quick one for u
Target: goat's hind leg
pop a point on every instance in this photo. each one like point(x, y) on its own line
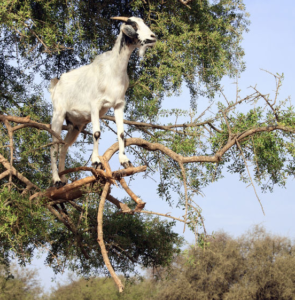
point(73, 132)
point(56, 126)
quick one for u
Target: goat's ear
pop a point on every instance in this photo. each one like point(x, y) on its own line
point(129, 31)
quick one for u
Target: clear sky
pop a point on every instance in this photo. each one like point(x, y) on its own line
point(228, 204)
point(269, 45)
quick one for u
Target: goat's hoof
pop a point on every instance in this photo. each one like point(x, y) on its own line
point(59, 184)
point(97, 165)
point(127, 164)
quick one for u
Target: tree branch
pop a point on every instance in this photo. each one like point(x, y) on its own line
point(163, 215)
point(14, 172)
point(100, 237)
point(162, 127)
point(140, 204)
point(202, 158)
point(27, 122)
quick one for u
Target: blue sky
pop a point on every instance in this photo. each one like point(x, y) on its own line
point(269, 45)
point(228, 204)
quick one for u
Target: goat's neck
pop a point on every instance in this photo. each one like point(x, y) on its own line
point(121, 54)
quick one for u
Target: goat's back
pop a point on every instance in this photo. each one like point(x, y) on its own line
point(102, 80)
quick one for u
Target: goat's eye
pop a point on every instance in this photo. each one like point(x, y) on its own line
point(133, 24)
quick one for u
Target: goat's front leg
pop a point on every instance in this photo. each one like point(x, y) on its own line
point(119, 116)
point(96, 163)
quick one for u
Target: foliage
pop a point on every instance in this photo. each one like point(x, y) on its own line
point(130, 240)
point(197, 47)
point(18, 284)
point(201, 44)
point(22, 226)
point(104, 289)
point(256, 265)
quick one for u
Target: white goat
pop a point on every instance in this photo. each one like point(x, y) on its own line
point(84, 95)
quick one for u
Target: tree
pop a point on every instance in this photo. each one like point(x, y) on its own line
point(257, 265)
point(199, 43)
point(18, 283)
point(104, 289)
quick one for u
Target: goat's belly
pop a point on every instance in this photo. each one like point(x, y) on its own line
point(78, 117)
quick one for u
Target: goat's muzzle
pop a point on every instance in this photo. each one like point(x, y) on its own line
point(148, 42)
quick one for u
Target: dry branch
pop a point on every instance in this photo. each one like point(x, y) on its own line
point(140, 204)
point(27, 122)
point(4, 174)
point(100, 237)
point(73, 190)
point(124, 207)
point(116, 174)
point(201, 158)
point(66, 191)
point(95, 172)
point(14, 172)
point(185, 2)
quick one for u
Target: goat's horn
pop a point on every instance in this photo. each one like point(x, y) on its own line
point(124, 19)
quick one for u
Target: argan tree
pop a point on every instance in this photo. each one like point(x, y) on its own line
point(256, 265)
point(18, 283)
point(199, 43)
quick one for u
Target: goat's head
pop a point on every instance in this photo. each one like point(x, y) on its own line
point(137, 33)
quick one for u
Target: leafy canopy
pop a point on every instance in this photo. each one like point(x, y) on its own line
point(197, 47)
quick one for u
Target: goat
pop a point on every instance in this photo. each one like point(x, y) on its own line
point(85, 94)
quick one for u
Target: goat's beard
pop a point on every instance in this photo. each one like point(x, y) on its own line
point(142, 50)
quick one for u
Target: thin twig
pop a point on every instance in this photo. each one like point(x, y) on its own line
point(249, 174)
point(163, 215)
point(185, 191)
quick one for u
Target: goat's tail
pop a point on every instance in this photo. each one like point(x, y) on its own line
point(53, 83)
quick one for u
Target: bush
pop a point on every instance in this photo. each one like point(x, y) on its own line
point(104, 289)
point(255, 266)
